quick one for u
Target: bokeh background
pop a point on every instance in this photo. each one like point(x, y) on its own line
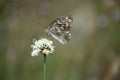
point(92, 54)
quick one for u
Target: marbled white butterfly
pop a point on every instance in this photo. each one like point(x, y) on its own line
point(60, 29)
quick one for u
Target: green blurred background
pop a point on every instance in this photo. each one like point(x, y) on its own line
point(92, 54)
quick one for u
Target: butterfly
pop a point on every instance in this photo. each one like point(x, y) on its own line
point(60, 29)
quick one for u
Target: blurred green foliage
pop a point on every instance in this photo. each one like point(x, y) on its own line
point(92, 54)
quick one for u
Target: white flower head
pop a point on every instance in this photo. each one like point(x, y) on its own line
point(42, 46)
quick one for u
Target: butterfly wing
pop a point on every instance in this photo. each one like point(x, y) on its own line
point(60, 29)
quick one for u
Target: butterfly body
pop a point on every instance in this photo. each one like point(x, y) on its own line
point(60, 29)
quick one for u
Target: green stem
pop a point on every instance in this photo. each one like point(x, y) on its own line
point(44, 66)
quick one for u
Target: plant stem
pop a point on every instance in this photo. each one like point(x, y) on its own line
point(44, 66)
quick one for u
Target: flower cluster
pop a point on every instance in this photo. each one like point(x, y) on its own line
point(42, 46)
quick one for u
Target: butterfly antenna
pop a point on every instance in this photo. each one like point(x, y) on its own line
point(43, 26)
point(44, 32)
